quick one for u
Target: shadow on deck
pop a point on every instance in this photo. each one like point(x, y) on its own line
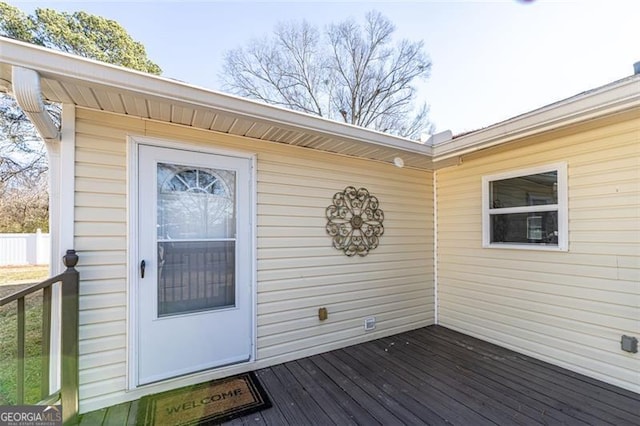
point(431, 375)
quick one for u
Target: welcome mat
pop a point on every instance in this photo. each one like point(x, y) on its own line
point(206, 403)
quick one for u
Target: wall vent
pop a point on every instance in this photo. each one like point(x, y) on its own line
point(369, 323)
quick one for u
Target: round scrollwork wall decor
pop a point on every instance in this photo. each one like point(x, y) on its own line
point(354, 221)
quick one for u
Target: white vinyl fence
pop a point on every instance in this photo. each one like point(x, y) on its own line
point(25, 249)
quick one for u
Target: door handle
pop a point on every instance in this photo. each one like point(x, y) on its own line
point(142, 266)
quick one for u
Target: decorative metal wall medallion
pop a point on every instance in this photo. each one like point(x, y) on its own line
point(354, 221)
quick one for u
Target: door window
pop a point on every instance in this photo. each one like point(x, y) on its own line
point(196, 230)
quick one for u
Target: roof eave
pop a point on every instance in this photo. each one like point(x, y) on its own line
point(610, 99)
point(61, 66)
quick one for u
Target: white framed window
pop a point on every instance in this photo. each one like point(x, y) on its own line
point(526, 209)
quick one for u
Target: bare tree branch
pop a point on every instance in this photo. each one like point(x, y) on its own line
point(355, 72)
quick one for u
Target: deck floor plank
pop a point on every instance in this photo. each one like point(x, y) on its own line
point(523, 395)
point(301, 397)
point(570, 396)
point(327, 404)
point(93, 418)
point(397, 388)
point(371, 384)
point(397, 353)
point(431, 375)
point(133, 412)
point(273, 415)
point(291, 413)
point(426, 391)
point(551, 399)
point(446, 369)
point(116, 415)
point(344, 400)
point(374, 404)
point(608, 396)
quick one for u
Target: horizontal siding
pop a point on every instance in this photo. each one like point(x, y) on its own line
point(298, 269)
point(569, 308)
point(101, 241)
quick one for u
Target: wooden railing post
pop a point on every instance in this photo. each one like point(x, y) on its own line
point(20, 387)
point(69, 345)
point(46, 343)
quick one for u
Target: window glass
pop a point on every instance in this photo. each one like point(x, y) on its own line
point(195, 276)
point(195, 203)
point(531, 190)
point(526, 209)
point(196, 213)
point(531, 228)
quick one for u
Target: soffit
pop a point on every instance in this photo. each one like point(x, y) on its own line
point(179, 103)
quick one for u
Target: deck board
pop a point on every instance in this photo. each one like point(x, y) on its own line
point(300, 397)
point(423, 399)
point(568, 389)
point(355, 413)
point(521, 379)
point(497, 379)
point(470, 382)
point(432, 375)
point(377, 405)
point(117, 415)
point(328, 405)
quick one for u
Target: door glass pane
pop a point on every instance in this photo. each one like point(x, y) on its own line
point(195, 203)
point(195, 276)
point(196, 239)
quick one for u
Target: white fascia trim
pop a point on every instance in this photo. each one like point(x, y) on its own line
point(610, 99)
point(65, 67)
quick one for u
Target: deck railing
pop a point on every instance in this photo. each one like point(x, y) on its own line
point(67, 395)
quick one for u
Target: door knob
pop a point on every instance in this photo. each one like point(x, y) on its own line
point(142, 266)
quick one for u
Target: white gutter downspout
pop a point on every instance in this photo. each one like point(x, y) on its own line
point(28, 94)
point(26, 89)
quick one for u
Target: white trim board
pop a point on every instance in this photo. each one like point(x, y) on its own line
point(562, 208)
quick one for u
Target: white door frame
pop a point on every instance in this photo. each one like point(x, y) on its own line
point(132, 258)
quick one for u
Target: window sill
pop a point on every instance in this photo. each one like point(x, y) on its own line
point(515, 246)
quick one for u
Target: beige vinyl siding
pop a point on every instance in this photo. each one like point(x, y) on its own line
point(298, 269)
point(101, 241)
point(566, 308)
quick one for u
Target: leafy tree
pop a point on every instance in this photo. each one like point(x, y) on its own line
point(23, 162)
point(349, 72)
point(79, 33)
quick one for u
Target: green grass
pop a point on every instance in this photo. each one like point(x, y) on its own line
point(9, 332)
point(23, 274)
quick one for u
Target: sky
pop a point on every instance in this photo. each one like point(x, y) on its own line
point(491, 60)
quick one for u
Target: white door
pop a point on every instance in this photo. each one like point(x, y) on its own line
point(194, 278)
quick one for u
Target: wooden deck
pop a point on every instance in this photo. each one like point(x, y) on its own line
point(428, 376)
